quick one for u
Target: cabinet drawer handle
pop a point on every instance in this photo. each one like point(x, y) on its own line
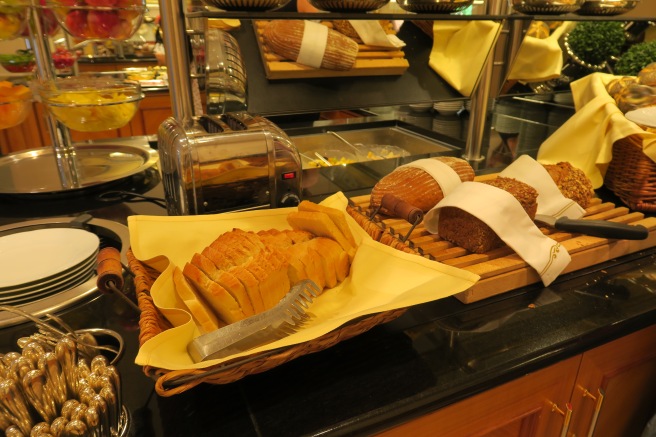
point(567, 415)
point(599, 399)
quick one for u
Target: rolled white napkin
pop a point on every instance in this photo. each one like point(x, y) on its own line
point(502, 212)
point(373, 34)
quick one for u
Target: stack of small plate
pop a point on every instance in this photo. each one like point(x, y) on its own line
point(448, 108)
point(42, 262)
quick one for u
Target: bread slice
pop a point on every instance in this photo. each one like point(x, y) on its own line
point(202, 314)
point(335, 215)
point(296, 268)
point(320, 224)
point(334, 257)
point(271, 273)
point(251, 285)
point(218, 298)
point(227, 280)
point(312, 264)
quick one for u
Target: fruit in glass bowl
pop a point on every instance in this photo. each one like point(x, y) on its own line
point(15, 104)
point(63, 58)
point(20, 62)
point(91, 104)
point(99, 19)
point(13, 18)
point(49, 23)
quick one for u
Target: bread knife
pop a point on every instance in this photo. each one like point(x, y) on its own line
point(596, 228)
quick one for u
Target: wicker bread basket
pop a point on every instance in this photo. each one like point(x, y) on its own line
point(171, 382)
point(631, 175)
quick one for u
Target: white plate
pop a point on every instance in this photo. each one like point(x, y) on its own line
point(32, 256)
point(55, 280)
point(643, 116)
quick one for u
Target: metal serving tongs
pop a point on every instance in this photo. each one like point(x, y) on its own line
point(280, 321)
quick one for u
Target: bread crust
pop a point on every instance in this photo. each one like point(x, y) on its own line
point(417, 187)
point(572, 182)
point(284, 38)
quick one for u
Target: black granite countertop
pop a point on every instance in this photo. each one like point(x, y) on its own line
point(431, 356)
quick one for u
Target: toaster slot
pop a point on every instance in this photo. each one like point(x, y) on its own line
point(233, 122)
point(213, 125)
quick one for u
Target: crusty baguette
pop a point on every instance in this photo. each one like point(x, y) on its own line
point(335, 215)
point(227, 280)
point(320, 224)
point(284, 38)
point(224, 305)
point(202, 314)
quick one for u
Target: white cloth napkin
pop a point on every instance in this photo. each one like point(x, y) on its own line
point(446, 177)
point(372, 33)
point(503, 213)
point(550, 200)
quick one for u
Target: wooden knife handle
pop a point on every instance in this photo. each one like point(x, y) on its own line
point(110, 269)
point(402, 209)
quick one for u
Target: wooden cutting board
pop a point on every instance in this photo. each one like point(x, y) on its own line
point(371, 61)
point(501, 269)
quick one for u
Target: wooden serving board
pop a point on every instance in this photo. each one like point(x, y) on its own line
point(371, 61)
point(501, 269)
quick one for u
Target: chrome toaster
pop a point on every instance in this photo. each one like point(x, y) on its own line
point(228, 162)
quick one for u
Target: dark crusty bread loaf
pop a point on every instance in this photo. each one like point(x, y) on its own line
point(417, 187)
point(571, 182)
point(463, 229)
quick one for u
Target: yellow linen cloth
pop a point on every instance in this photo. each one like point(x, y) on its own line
point(460, 49)
point(539, 59)
point(586, 139)
point(381, 279)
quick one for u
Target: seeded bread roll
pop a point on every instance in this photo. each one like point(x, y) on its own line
point(284, 37)
point(463, 229)
point(635, 96)
point(617, 85)
point(417, 187)
point(571, 182)
point(647, 76)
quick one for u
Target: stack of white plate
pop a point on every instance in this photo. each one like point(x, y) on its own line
point(448, 107)
point(564, 98)
point(448, 125)
point(42, 262)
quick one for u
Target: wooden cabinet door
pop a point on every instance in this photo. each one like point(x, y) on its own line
point(520, 408)
point(625, 371)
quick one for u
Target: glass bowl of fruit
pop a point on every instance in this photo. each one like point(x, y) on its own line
point(99, 19)
point(90, 104)
point(20, 62)
point(13, 18)
point(63, 59)
point(15, 104)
